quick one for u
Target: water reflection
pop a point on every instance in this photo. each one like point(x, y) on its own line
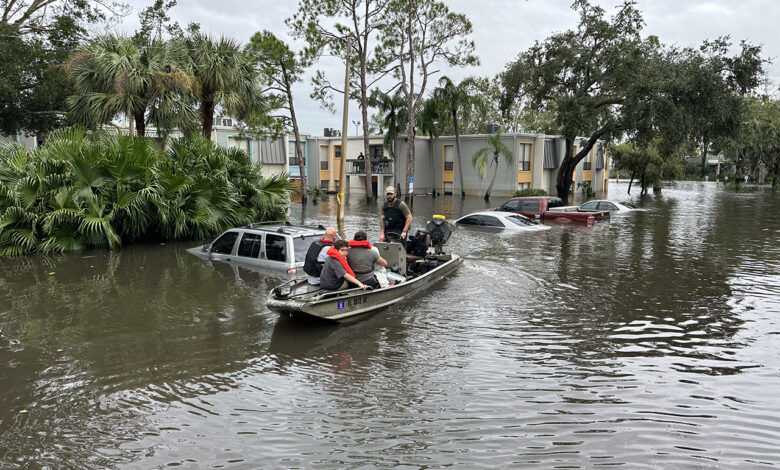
point(647, 341)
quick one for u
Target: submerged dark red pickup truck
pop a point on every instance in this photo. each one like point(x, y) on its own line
point(550, 209)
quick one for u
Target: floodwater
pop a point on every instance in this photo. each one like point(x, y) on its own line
point(651, 341)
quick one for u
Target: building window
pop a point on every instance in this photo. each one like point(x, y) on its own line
point(324, 185)
point(521, 186)
point(524, 157)
point(449, 153)
point(448, 187)
point(337, 151)
point(240, 143)
point(586, 163)
point(376, 151)
point(324, 157)
point(291, 157)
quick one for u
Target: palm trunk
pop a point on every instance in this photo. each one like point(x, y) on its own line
point(207, 108)
point(704, 145)
point(493, 180)
point(457, 149)
point(433, 165)
point(140, 124)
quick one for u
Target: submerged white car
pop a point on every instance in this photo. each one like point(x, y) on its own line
point(278, 246)
point(501, 220)
point(604, 205)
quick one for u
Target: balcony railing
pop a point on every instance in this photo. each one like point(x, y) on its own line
point(379, 166)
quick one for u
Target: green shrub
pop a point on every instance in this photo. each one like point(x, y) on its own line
point(530, 192)
point(81, 190)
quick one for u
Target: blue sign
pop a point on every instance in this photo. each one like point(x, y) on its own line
point(411, 179)
point(340, 305)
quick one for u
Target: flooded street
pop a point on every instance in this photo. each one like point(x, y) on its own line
point(650, 341)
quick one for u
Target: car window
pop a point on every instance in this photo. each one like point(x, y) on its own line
point(607, 206)
point(250, 245)
point(490, 221)
point(471, 220)
point(530, 206)
point(590, 206)
point(275, 247)
point(511, 206)
point(224, 244)
point(554, 202)
point(520, 220)
point(301, 246)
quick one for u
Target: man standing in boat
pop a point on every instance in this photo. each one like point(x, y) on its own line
point(317, 254)
point(396, 216)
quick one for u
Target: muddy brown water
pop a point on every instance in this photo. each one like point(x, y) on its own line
point(651, 341)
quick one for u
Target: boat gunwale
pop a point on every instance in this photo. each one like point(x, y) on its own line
point(284, 305)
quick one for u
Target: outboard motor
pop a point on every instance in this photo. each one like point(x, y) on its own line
point(439, 230)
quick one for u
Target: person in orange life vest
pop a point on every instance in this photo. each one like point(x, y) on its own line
point(361, 259)
point(336, 270)
point(317, 254)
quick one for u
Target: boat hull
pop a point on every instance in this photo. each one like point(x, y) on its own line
point(339, 305)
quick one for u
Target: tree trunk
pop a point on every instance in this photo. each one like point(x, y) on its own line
point(493, 180)
point(366, 147)
point(207, 110)
point(631, 181)
point(298, 150)
point(433, 164)
point(565, 173)
point(297, 134)
point(457, 148)
point(140, 124)
point(704, 146)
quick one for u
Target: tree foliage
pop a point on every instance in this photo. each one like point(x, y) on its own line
point(344, 28)
point(454, 100)
point(37, 36)
point(646, 164)
point(280, 68)
point(224, 78)
point(589, 77)
point(113, 75)
point(421, 36)
point(81, 191)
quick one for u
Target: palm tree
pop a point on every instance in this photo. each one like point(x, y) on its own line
point(488, 155)
point(453, 98)
point(430, 119)
point(395, 116)
point(224, 77)
point(82, 190)
point(113, 76)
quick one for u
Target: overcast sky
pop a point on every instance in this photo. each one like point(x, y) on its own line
point(502, 29)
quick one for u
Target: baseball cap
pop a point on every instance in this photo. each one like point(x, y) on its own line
point(389, 189)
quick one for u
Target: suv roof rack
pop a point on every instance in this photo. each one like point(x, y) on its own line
point(284, 227)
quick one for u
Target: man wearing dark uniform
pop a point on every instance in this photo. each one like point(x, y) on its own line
point(396, 216)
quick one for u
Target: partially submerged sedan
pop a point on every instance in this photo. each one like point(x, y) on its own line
point(279, 246)
point(501, 220)
point(610, 206)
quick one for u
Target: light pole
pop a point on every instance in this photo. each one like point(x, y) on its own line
point(356, 123)
point(345, 121)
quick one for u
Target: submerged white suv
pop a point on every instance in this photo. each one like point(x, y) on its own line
point(278, 246)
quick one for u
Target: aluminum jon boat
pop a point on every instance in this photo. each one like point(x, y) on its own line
point(413, 272)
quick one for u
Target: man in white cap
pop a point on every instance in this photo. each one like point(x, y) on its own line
point(396, 216)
